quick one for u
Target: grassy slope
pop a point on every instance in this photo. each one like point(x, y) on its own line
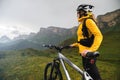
point(29, 64)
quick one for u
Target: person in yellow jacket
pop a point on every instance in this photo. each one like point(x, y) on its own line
point(89, 39)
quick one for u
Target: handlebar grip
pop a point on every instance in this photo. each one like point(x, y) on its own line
point(56, 47)
point(48, 46)
point(45, 45)
point(92, 54)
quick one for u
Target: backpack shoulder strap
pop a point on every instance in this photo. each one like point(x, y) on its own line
point(84, 29)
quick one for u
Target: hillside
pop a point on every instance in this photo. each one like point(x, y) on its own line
point(109, 20)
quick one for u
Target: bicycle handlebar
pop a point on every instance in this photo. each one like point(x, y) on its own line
point(48, 46)
point(54, 47)
point(89, 54)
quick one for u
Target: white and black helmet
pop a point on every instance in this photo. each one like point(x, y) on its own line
point(85, 7)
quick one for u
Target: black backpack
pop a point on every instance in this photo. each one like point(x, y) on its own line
point(89, 40)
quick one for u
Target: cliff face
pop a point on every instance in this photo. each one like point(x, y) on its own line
point(58, 31)
point(53, 35)
point(109, 19)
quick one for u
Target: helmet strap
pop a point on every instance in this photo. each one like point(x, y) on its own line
point(81, 15)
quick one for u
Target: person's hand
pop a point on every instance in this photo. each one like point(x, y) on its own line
point(85, 52)
point(71, 45)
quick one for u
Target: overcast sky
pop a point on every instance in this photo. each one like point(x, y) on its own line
point(25, 16)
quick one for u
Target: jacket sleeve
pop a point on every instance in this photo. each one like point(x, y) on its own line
point(74, 44)
point(91, 25)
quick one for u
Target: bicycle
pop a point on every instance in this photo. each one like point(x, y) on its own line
point(54, 66)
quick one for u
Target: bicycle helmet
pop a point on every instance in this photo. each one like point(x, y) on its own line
point(85, 7)
point(84, 11)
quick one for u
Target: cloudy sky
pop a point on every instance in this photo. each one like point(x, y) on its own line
point(25, 16)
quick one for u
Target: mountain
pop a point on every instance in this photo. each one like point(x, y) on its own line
point(53, 35)
point(50, 35)
point(19, 44)
point(24, 36)
point(109, 20)
point(4, 39)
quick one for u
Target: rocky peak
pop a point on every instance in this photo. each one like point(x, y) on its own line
point(57, 30)
point(109, 19)
point(4, 39)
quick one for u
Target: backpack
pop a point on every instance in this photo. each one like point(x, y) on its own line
point(89, 40)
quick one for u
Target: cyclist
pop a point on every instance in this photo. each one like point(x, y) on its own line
point(89, 38)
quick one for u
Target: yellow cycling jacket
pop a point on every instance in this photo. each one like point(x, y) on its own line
point(92, 29)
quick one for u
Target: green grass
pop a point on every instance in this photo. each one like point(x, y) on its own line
point(19, 67)
point(32, 67)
